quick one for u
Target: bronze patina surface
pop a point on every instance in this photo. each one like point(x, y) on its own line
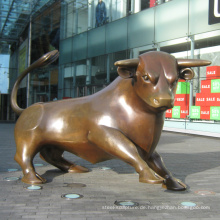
point(122, 121)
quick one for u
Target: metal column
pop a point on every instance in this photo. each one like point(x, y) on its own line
point(191, 81)
point(90, 15)
point(108, 69)
point(29, 61)
point(74, 80)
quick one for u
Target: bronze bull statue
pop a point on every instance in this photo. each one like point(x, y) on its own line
point(122, 121)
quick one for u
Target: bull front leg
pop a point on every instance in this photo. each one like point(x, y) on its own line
point(155, 162)
point(118, 145)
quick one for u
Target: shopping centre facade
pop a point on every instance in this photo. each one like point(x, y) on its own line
point(88, 50)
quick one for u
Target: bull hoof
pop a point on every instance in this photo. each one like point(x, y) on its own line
point(33, 179)
point(77, 169)
point(158, 181)
point(153, 180)
point(174, 184)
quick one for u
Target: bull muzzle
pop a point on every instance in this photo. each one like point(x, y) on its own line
point(163, 101)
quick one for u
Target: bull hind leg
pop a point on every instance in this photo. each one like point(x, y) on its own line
point(24, 157)
point(156, 163)
point(54, 156)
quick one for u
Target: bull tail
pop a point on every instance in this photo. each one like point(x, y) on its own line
point(46, 59)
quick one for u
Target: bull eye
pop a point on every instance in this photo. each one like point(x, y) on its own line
point(146, 78)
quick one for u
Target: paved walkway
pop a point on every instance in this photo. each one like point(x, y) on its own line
point(193, 159)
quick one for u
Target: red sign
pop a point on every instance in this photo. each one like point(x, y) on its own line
point(205, 113)
point(152, 3)
point(211, 99)
point(181, 100)
point(168, 113)
point(184, 111)
point(201, 99)
point(213, 72)
point(217, 95)
point(205, 86)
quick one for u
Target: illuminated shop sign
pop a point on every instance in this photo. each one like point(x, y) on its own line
point(214, 11)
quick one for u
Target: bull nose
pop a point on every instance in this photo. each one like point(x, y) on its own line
point(164, 101)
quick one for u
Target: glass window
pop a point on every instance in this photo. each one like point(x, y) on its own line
point(76, 17)
point(82, 11)
point(105, 11)
point(96, 41)
point(122, 55)
point(116, 36)
point(66, 50)
point(45, 32)
point(68, 87)
point(146, 4)
point(4, 73)
point(141, 33)
point(71, 19)
point(79, 50)
point(81, 15)
point(199, 16)
point(118, 9)
point(53, 84)
point(39, 86)
point(68, 81)
point(170, 21)
point(98, 73)
point(80, 78)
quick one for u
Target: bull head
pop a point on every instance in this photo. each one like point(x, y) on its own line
point(157, 73)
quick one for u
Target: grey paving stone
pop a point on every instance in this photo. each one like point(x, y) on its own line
point(13, 217)
point(193, 159)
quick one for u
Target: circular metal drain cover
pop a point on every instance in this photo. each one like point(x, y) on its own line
point(12, 170)
point(38, 165)
point(188, 204)
point(106, 168)
point(33, 187)
point(75, 185)
point(72, 196)
point(204, 192)
point(126, 203)
point(12, 178)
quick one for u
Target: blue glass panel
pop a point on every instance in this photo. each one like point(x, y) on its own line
point(65, 51)
point(171, 20)
point(116, 36)
point(198, 17)
point(141, 28)
point(79, 47)
point(96, 42)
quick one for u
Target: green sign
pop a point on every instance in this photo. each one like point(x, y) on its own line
point(195, 112)
point(214, 113)
point(183, 88)
point(215, 86)
point(176, 112)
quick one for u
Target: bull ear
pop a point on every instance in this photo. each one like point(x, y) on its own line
point(126, 72)
point(186, 74)
point(192, 63)
point(127, 68)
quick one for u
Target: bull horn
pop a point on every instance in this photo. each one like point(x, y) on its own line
point(192, 63)
point(127, 63)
